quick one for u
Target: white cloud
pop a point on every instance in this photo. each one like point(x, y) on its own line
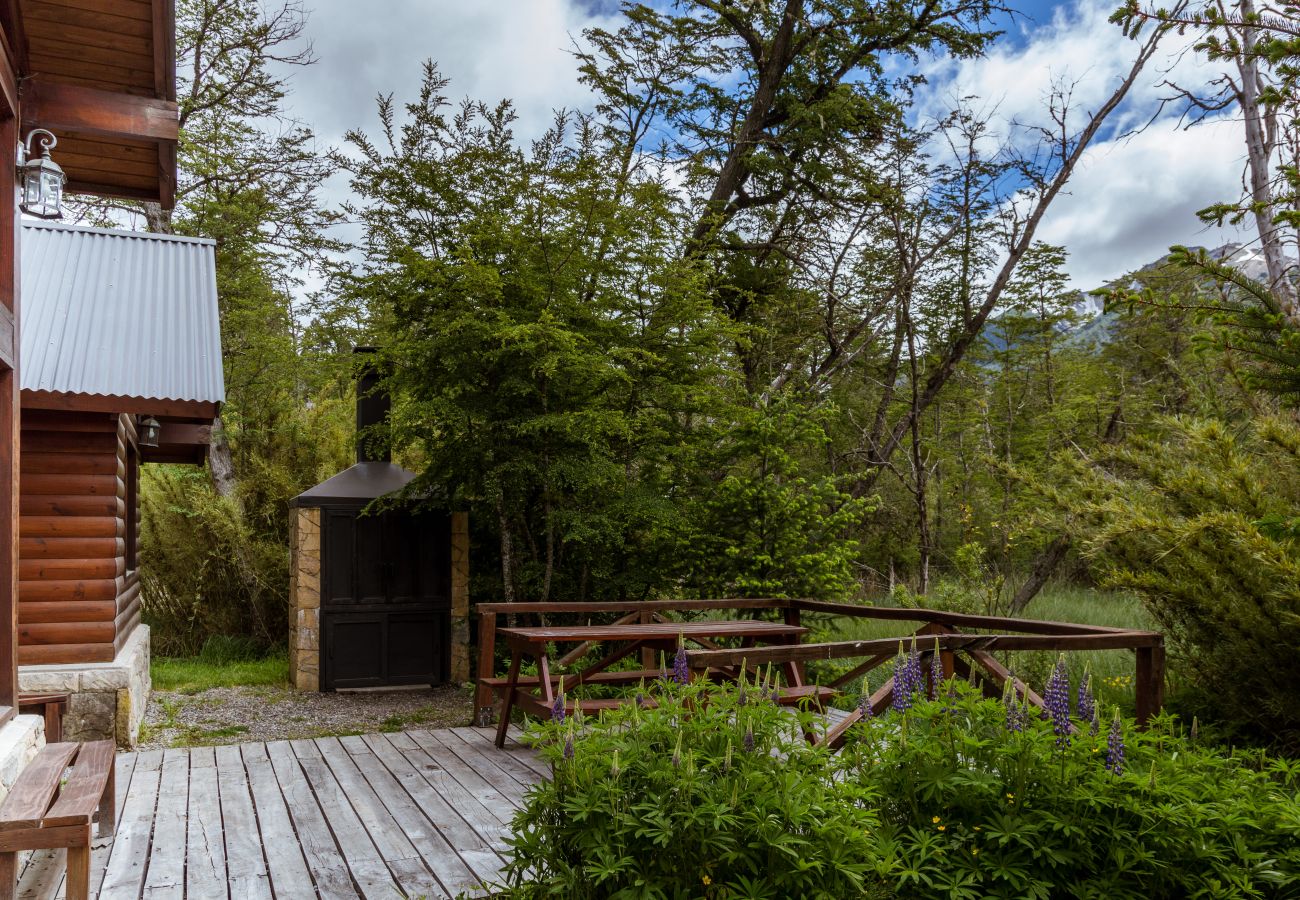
point(490, 50)
point(1131, 197)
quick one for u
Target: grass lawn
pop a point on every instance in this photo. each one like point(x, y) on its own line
point(1112, 670)
point(192, 675)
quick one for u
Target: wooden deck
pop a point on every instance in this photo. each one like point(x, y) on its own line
point(412, 814)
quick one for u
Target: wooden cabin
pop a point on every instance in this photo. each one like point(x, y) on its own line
point(120, 327)
point(101, 76)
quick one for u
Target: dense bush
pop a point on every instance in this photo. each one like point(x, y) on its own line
point(1199, 523)
point(715, 794)
point(690, 799)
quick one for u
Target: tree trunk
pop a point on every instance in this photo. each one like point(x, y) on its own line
point(221, 463)
point(1259, 154)
point(1042, 570)
point(507, 559)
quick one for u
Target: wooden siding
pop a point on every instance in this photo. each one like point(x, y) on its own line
point(76, 600)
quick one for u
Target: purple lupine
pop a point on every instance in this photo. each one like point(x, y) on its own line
point(1087, 703)
point(1015, 720)
point(936, 670)
point(950, 704)
point(557, 708)
point(749, 738)
point(864, 701)
point(902, 682)
point(1115, 746)
point(568, 743)
point(1056, 699)
point(681, 670)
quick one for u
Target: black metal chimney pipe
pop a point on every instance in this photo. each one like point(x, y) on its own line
point(373, 404)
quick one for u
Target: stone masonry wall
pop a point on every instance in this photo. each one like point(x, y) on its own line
point(304, 595)
point(106, 700)
point(20, 740)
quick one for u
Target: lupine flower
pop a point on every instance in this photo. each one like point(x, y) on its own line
point(557, 708)
point(950, 705)
point(1015, 711)
point(1056, 698)
point(726, 761)
point(864, 701)
point(568, 743)
point(677, 752)
point(749, 738)
point(1096, 721)
point(614, 769)
point(936, 669)
point(1195, 729)
point(663, 668)
point(902, 682)
point(1087, 703)
point(681, 670)
point(1115, 746)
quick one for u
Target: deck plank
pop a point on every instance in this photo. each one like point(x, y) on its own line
point(325, 860)
point(166, 878)
point(480, 818)
point(103, 844)
point(447, 866)
point(129, 861)
point(491, 797)
point(397, 851)
point(376, 816)
point(247, 877)
point(472, 847)
point(284, 860)
point(368, 869)
point(205, 847)
point(509, 763)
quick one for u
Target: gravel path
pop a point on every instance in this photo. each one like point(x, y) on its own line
point(237, 714)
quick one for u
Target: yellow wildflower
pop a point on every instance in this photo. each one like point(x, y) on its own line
point(707, 880)
point(935, 820)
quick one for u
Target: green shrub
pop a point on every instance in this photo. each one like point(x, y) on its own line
point(677, 802)
point(971, 809)
point(1189, 521)
point(942, 801)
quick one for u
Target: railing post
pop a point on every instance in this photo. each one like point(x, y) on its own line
point(647, 653)
point(487, 654)
point(794, 616)
point(1150, 683)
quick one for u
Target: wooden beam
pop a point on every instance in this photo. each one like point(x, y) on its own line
point(627, 606)
point(9, 68)
point(904, 614)
point(74, 109)
point(970, 643)
point(194, 411)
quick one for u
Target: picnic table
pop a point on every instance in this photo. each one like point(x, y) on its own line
point(537, 695)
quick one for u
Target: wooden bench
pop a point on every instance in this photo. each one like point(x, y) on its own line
point(50, 707)
point(46, 811)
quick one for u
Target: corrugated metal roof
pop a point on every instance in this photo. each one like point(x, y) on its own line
point(119, 314)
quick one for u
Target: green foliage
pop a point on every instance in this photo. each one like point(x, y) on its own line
point(943, 801)
point(672, 802)
point(210, 669)
point(970, 809)
point(769, 527)
point(1182, 520)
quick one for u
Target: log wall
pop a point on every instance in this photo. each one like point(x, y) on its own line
point(77, 602)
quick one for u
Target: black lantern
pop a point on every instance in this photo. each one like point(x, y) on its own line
point(42, 178)
point(148, 431)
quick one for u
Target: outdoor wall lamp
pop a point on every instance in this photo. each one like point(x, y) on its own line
point(147, 432)
point(42, 178)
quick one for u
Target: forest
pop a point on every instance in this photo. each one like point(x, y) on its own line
point(753, 324)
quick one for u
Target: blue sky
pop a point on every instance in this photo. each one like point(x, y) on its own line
point(1130, 200)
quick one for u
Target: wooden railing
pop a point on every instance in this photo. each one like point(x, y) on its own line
point(965, 643)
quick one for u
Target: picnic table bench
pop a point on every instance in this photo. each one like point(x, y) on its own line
point(44, 810)
point(537, 694)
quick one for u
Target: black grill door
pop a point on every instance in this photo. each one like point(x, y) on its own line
point(385, 600)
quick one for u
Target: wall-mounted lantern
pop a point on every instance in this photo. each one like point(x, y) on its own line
point(147, 432)
point(42, 178)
